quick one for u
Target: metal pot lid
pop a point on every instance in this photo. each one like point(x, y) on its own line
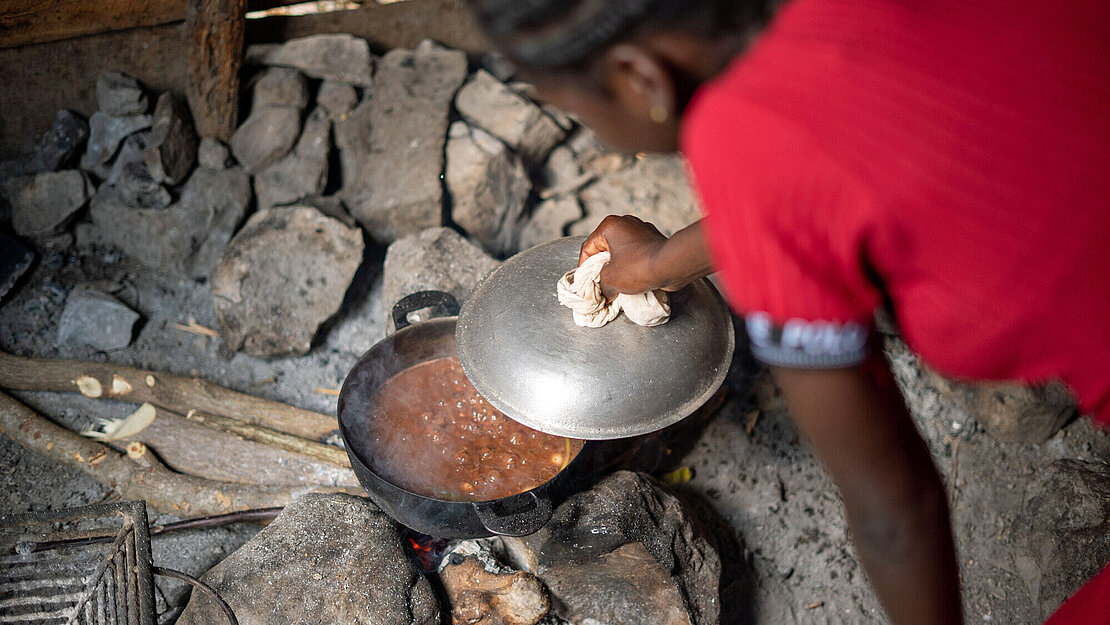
point(522, 351)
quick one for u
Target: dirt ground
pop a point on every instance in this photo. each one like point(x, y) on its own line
point(787, 551)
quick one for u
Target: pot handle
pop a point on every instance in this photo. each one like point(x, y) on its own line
point(515, 516)
point(445, 306)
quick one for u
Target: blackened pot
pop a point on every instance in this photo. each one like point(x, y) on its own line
point(413, 343)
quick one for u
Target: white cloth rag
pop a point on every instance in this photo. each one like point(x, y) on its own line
point(580, 291)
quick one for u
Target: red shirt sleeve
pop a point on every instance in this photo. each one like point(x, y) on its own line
point(787, 228)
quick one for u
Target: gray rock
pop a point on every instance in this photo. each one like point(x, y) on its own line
point(302, 172)
point(96, 319)
point(393, 156)
point(213, 154)
point(42, 204)
point(98, 172)
point(172, 150)
point(61, 143)
point(1011, 411)
point(606, 576)
point(325, 559)
point(280, 86)
point(107, 131)
point(623, 587)
point(258, 271)
point(653, 188)
point(489, 104)
point(1063, 530)
point(130, 152)
point(488, 186)
point(265, 136)
point(549, 221)
point(561, 172)
point(337, 98)
point(186, 238)
point(329, 205)
point(15, 259)
point(119, 94)
point(435, 259)
point(138, 189)
point(342, 58)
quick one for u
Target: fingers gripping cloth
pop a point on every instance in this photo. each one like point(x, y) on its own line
point(580, 291)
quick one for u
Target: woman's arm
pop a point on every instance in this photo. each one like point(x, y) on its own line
point(894, 500)
point(643, 259)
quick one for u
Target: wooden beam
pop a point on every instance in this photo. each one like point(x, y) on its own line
point(396, 25)
point(215, 56)
point(33, 21)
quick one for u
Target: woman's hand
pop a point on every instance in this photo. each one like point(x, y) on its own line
point(642, 259)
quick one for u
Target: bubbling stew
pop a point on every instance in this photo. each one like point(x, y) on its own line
point(431, 433)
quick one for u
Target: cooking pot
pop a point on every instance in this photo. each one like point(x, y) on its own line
point(414, 343)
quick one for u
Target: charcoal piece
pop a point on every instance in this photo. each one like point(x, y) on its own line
point(15, 258)
point(96, 319)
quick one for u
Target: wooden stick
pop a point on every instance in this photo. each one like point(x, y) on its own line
point(176, 393)
point(327, 453)
point(217, 28)
point(186, 446)
point(137, 474)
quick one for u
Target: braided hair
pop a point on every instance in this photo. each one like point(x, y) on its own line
point(549, 34)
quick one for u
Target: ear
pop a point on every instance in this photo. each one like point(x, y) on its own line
point(640, 81)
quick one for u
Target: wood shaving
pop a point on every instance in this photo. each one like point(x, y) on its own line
point(195, 328)
point(116, 429)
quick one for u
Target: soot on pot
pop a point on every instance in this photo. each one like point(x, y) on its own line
point(431, 433)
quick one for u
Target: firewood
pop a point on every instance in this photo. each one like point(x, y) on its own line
point(327, 453)
point(176, 393)
point(136, 474)
point(189, 447)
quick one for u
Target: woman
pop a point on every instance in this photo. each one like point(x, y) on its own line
point(943, 159)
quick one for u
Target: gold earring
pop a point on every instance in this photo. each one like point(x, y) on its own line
point(658, 113)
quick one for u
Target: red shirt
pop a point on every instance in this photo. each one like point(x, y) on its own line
point(952, 156)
